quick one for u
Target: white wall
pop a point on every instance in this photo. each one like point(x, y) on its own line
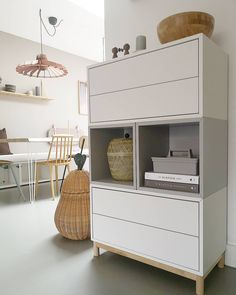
point(125, 19)
point(32, 118)
point(81, 32)
point(95, 7)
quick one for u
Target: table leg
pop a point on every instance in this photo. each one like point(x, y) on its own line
point(29, 173)
point(17, 182)
point(32, 176)
point(34, 179)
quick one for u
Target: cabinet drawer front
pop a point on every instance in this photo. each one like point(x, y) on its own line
point(168, 246)
point(175, 215)
point(167, 64)
point(168, 99)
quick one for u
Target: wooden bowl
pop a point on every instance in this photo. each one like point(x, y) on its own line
point(185, 24)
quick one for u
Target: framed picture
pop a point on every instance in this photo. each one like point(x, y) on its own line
point(83, 98)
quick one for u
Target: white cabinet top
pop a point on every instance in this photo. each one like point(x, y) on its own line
point(201, 37)
point(187, 77)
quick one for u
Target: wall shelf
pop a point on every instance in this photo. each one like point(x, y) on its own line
point(16, 94)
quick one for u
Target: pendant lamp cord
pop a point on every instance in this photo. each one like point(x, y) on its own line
point(41, 33)
point(42, 24)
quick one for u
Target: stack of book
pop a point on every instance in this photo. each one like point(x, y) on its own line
point(177, 182)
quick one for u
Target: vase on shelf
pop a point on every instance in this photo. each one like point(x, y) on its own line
point(120, 158)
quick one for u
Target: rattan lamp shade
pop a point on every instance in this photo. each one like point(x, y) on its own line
point(42, 68)
point(72, 217)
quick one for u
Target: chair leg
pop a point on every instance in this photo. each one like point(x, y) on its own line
point(17, 183)
point(56, 175)
point(63, 177)
point(36, 179)
point(52, 181)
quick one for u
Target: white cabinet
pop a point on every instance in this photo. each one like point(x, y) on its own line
point(166, 64)
point(158, 100)
point(148, 210)
point(162, 82)
point(178, 79)
point(152, 242)
point(173, 97)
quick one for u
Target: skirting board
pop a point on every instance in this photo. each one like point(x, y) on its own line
point(230, 255)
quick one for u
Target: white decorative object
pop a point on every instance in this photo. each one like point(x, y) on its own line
point(30, 92)
point(140, 42)
point(83, 98)
point(42, 89)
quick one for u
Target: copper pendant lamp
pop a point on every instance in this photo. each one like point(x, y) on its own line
point(42, 67)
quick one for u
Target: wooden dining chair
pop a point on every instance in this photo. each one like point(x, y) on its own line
point(62, 145)
point(82, 141)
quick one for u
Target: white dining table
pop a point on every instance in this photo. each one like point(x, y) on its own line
point(29, 157)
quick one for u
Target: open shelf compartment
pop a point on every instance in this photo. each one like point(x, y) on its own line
point(100, 137)
point(156, 139)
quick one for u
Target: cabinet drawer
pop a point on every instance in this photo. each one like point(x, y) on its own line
point(175, 215)
point(168, 246)
point(166, 64)
point(167, 99)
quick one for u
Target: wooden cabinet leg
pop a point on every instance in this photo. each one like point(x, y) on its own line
point(96, 250)
point(200, 285)
point(221, 263)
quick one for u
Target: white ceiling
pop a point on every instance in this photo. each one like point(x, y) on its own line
point(94, 6)
point(80, 33)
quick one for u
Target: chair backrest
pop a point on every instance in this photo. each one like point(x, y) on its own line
point(54, 130)
point(62, 143)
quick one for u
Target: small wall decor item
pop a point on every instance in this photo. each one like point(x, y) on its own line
point(72, 217)
point(83, 98)
point(120, 158)
point(42, 67)
point(29, 92)
point(125, 49)
point(115, 51)
point(37, 91)
point(185, 24)
point(42, 89)
point(140, 42)
point(10, 88)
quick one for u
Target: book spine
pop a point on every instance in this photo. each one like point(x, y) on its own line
point(172, 177)
point(183, 187)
